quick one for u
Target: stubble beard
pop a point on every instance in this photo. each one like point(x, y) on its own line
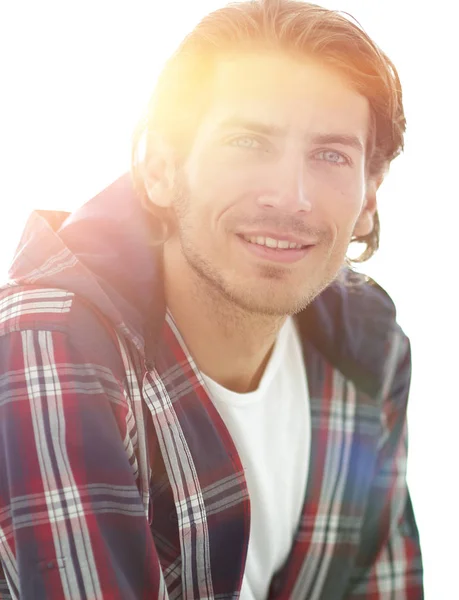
point(231, 297)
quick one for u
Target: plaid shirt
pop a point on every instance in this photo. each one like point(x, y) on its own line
point(118, 478)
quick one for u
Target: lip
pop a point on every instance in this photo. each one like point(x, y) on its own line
point(285, 256)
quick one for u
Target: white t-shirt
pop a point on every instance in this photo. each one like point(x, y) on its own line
point(271, 430)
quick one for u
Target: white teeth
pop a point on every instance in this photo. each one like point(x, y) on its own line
point(284, 244)
point(271, 242)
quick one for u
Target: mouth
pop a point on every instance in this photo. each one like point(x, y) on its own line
point(274, 249)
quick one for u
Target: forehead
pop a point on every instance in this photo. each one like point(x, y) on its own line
point(292, 94)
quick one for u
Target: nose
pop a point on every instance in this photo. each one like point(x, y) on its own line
point(286, 188)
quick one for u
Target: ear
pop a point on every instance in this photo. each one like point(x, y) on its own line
point(159, 173)
point(366, 220)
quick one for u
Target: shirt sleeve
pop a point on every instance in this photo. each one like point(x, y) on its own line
point(389, 564)
point(72, 522)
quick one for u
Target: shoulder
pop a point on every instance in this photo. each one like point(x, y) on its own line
point(353, 324)
point(33, 308)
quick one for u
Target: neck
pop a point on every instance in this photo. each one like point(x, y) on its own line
point(229, 344)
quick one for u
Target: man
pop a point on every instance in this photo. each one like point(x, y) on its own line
point(196, 400)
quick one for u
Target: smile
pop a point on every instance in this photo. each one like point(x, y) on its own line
point(270, 249)
point(271, 242)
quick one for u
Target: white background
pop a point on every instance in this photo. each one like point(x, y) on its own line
point(73, 80)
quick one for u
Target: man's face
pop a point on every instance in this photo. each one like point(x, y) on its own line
point(279, 155)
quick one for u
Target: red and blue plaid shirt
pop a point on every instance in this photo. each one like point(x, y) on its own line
point(118, 478)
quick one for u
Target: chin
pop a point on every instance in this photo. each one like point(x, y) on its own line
point(270, 303)
point(273, 299)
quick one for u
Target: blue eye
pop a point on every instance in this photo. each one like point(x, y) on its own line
point(333, 157)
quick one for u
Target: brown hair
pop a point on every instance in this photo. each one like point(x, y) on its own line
point(298, 28)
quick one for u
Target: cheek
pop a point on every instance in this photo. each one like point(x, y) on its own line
point(341, 200)
point(196, 213)
point(214, 192)
point(225, 174)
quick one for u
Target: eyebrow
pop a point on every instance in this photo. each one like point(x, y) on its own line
point(276, 131)
point(338, 138)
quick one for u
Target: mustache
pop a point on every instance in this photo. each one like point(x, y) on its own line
point(280, 223)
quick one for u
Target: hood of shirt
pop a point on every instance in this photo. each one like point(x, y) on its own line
point(102, 253)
